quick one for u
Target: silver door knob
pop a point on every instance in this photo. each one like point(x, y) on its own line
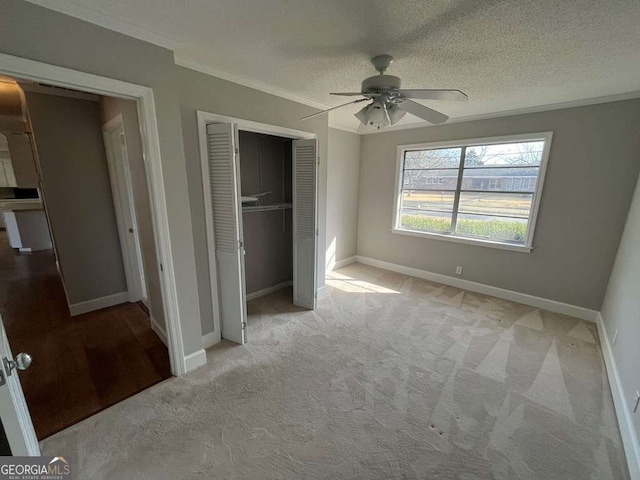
point(23, 361)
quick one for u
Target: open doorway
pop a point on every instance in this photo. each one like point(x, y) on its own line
point(79, 284)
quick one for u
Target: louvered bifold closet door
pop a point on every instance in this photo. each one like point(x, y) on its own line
point(227, 226)
point(305, 154)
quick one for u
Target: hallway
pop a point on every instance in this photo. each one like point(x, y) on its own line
point(82, 364)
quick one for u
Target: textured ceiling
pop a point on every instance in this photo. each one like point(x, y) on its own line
point(505, 54)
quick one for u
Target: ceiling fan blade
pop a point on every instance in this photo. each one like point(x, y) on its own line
point(430, 94)
point(333, 108)
point(423, 112)
point(354, 94)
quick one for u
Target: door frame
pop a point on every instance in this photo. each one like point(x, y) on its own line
point(203, 119)
point(124, 206)
point(144, 97)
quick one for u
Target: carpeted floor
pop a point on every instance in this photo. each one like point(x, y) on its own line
point(390, 378)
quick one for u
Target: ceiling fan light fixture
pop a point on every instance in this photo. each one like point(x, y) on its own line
point(374, 115)
point(363, 115)
point(395, 114)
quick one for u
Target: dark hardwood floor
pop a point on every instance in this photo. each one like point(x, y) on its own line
point(82, 364)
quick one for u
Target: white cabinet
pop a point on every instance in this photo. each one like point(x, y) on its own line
point(27, 230)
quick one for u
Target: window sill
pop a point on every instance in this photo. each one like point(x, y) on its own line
point(464, 240)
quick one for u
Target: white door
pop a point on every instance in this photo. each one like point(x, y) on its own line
point(14, 413)
point(224, 180)
point(122, 191)
point(305, 161)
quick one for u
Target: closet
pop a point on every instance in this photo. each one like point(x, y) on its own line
point(260, 201)
point(266, 189)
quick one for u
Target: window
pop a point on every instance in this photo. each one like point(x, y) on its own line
point(483, 191)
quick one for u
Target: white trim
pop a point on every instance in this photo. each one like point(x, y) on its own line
point(335, 265)
point(209, 340)
point(248, 82)
point(195, 360)
point(251, 126)
point(98, 303)
point(268, 290)
point(157, 328)
point(623, 412)
point(64, 77)
point(322, 292)
point(204, 118)
point(124, 207)
point(524, 298)
point(91, 15)
point(546, 137)
point(465, 240)
point(619, 97)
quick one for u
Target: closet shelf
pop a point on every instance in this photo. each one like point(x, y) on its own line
point(265, 208)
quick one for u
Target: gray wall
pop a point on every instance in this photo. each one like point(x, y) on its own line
point(214, 95)
point(343, 174)
point(33, 32)
point(591, 175)
point(77, 191)
point(621, 307)
point(111, 108)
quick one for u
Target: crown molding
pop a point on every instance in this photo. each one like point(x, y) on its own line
point(248, 82)
point(78, 10)
point(340, 126)
point(520, 111)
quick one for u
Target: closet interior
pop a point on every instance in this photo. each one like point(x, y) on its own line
point(266, 182)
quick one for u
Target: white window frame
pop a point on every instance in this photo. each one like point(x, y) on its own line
point(527, 247)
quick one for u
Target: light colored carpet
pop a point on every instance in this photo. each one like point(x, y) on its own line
point(390, 378)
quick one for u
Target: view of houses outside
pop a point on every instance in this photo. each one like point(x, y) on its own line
point(497, 186)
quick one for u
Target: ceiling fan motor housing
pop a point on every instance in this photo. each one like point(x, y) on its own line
point(381, 84)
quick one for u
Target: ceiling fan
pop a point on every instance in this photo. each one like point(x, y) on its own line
point(389, 103)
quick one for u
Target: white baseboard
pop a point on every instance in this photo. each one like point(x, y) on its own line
point(267, 291)
point(98, 303)
point(623, 412)
point(155, 326)
point(195, 360)
point(210, 339)
point(538, 302)
point(341, 263)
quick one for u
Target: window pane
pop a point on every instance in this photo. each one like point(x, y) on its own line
point(417, 201)
point(438, 158)
point(505, 229)
point(521, 179)
point(507, 154)
point(430, 179)
point(496, 204)
point(437, 222)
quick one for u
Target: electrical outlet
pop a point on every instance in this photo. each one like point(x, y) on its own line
point(635, 408)
point(615, 337)
point(458, 270)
